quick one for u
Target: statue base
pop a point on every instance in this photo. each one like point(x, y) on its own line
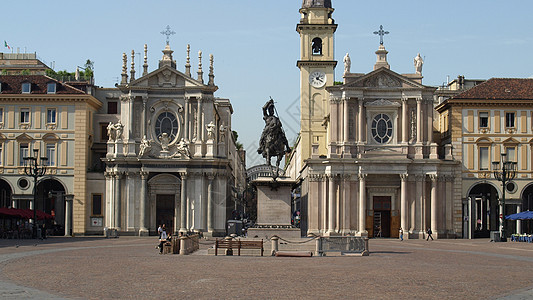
point(274, 208)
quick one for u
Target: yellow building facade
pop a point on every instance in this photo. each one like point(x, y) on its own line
point(40, 113)
point(480, 124)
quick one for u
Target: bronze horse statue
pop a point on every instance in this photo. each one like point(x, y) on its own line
point(273, 141)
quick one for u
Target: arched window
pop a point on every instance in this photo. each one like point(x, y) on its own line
point(317, 46)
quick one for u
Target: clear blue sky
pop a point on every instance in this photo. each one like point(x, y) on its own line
point(256, 46)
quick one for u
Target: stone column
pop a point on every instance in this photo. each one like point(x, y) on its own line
point(176, 227)
point(68, 214)
point(315, 180)
point(142, 205)
point(199, 128)
point(404, 212)
point(419, 137)
point(418, 226)
point(332, 201)
point(186, 135)
point(362, 204)
point(346, 126)
point(109, 199)
point(118, 201)
point(361, 118)
point(183, 203)
point(144, 121)
point(129, 222)
point(405, 123)
point(210, 179)
point(434, 208)
point(346, 205)
point(429, 110)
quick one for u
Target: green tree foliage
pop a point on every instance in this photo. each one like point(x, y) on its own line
point(235, 139)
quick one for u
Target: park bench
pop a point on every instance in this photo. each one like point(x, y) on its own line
point(238, 244)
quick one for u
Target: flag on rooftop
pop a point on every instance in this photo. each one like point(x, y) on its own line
point(6, 45)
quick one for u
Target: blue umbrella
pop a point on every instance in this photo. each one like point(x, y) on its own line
point(525, 215)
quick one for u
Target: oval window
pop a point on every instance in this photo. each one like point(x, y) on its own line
point(381, 128)
point(168, 123)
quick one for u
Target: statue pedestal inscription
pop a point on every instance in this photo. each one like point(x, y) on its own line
point(274, 209)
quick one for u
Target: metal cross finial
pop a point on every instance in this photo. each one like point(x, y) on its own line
point(381, 33)
point(168, 32)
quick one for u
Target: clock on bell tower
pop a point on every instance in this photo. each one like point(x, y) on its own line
point(317, 66)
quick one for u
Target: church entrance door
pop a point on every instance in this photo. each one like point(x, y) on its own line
point(165, 211)
point(382, 216)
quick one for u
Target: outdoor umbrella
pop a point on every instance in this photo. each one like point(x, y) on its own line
point(525, 215)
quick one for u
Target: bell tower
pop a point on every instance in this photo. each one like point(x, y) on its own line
point(317, 66)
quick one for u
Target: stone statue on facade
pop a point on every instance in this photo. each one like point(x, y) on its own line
point(210, 130)
point(114, 131)
point(222, 131)
point(163, 138)
point(347, 63)
point(183, 148)
point(273, 140)
point(146, 145)
point(419, 62)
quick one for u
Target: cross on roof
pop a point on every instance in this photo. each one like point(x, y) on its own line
point(381, 33)
point(168, 32)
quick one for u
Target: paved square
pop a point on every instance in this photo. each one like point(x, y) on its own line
point(130, 267)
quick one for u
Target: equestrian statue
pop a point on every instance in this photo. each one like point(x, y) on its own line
point(273, 140)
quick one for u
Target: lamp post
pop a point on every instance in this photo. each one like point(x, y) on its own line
point(504, 173)
point(35, 169)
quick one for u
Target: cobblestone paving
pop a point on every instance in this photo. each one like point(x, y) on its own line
point(130, 267)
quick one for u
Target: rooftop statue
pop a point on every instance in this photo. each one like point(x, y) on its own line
point(273, 140)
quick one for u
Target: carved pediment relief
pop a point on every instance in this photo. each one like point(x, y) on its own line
point(166, 77)
point(382, 80)
point(383, 103)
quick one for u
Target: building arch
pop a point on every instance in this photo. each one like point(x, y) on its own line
point(481, 210)
point(6, 190)
point(164, 192)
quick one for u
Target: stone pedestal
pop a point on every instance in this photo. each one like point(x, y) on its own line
point(110, 150)
point(274, 209)
point(209, 148)
point(221, 151)
point(119, 149)
point(198, 149)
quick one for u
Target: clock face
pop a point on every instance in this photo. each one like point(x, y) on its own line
point(317, 79)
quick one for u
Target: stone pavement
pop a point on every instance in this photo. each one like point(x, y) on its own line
point(130, 267)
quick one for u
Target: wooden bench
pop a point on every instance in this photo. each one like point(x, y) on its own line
point(238, 244)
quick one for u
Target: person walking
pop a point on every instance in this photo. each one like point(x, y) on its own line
point(159, 230)
point(401, 234)
point(429, 232)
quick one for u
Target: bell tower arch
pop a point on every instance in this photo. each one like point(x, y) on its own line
point(317, 65)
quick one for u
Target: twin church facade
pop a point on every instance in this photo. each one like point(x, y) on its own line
point(378, 152)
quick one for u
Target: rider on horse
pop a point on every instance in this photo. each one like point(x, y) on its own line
point(273, 140)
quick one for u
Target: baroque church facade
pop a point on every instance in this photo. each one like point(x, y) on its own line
point(366, 158)
point(168, 150)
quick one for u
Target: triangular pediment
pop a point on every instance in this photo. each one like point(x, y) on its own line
point(166, 76)
point(24, 138)
point(384, 78)
point(511, 141)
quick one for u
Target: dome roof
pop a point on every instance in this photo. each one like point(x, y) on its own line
point(316, 3)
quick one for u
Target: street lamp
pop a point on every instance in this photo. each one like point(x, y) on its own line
point(506, 173)
point(33, 169)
